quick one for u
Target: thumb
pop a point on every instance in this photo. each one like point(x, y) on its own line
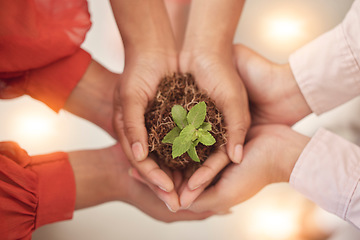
point(129, 125)
point(237, 119)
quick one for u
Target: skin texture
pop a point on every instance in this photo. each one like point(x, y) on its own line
point(152, 52)
point(207, 54)
point(269, 156)
point(274, 94)
point(271, 150)
point(102, 175)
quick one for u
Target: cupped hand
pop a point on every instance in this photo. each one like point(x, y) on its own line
point(273, 91)
point(270, 155)
point(215, 73)
point(137, 193)
point(134, 91)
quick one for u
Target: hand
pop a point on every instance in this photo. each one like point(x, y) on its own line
point(136, 88)
point(273, 91)
point(207, 54)
point(111, 182)
point(270, 155)
point(215, 73)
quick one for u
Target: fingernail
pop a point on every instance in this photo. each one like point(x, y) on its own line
point(196, 187)
point(138, 151)
point(168, 206)
point(163, 188)
point(238, 150)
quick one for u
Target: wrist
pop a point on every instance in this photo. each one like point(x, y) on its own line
point(151, 63)
point(294, 96)
point(92, 98)
point(201, 58)
point(117, 166)
point(100, 175)
point(148, 49)
point(285, 162)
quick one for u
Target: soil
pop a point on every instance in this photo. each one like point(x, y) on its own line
point(180, 89)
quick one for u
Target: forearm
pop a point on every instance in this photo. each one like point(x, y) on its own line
point(96, 176)
point(212, 25)
point(144, 26)
point(92, 98)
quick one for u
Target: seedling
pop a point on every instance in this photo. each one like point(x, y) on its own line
point(190, 130)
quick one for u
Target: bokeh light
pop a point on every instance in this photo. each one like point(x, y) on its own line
point(284, 29)
point(271, 222)
point(34, 126)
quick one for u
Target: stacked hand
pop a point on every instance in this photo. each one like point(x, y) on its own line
point(272, 147)
point(150, 54)
point(274, 98)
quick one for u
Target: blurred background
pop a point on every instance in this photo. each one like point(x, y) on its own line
point(274, 28)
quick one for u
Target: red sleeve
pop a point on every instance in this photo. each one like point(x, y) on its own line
point(34, 33)
point(54, 83)
point(34, 191)
point(51, 84)
point(40, 51)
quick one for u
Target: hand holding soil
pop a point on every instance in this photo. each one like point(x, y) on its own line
point(180, 90)
point(136, 86)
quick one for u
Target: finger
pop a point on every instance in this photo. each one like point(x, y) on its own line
point(209, 199)
point(185, 179)
point(148, 203)
point(237, 121)
point(152, 173)
point(209, 169)
point(129, 110)
point(170, 199)
point(188, 196)
point(136, 175)
point(203, 177)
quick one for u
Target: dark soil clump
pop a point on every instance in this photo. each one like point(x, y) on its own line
point(180, 89)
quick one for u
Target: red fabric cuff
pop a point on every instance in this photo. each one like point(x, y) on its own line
point(54, 83)
point(56, 188)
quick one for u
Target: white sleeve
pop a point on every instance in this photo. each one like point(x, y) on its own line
point(328, 172)
point(327, 69)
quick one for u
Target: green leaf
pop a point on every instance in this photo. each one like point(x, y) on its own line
point(180, 146)
point(193, 154)
point(183, 142)
point(170, 136)
point(196, 115)
point(188, 132)
point(206, 126)
point(206, 138)
point(178, 114)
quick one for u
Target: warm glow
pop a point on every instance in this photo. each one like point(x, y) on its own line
point(35, 126)
point(273, 223)
point(283, 29)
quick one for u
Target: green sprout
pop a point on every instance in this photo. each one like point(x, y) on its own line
point(190, 129)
